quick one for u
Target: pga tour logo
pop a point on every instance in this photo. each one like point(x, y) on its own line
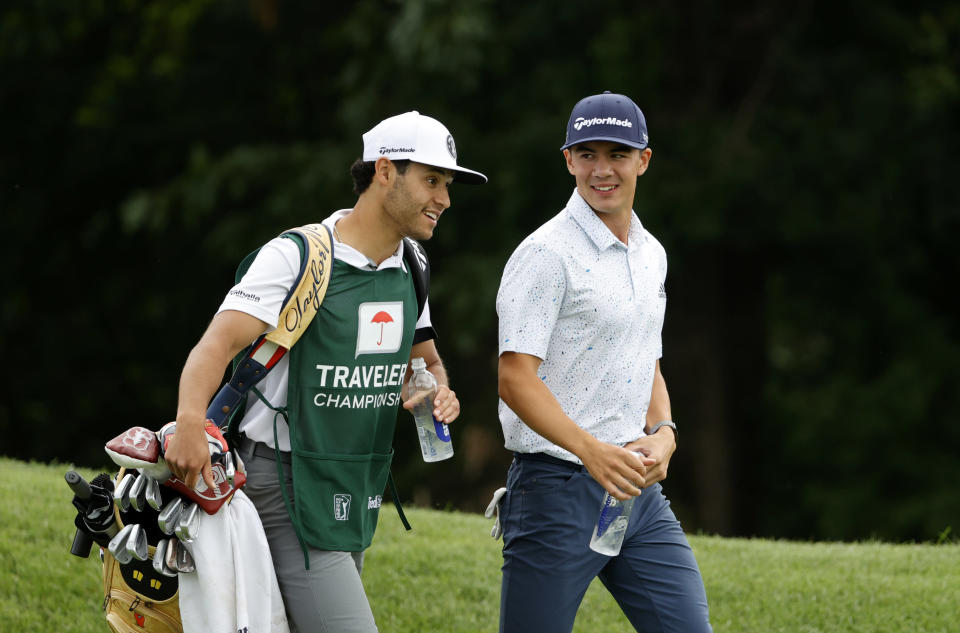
point(380, 328)
point(341, 507)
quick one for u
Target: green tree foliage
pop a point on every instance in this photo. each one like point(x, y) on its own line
point(801, 183)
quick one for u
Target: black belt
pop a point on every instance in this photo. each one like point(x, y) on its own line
point(250, 448)
point(549, 459)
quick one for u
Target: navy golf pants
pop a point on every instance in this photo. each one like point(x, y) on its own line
point(548, 515)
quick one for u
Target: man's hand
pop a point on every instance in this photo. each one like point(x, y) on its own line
point(188, 454)
point(446, 405)
point(658, 448)
point(622, 472)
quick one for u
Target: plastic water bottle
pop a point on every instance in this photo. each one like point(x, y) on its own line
point(608, 533)
point(435, 441)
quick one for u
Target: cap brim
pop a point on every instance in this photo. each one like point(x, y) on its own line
point(612, 139)
point(468, 176)
point(460, 174)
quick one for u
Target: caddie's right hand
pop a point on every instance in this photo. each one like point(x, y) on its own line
point(188, 455)
point(621, 472)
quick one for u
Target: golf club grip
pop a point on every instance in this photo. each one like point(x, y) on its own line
point(82, 543)
point(78, 485)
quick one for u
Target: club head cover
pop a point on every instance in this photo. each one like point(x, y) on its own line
point(139, 448)
point(209, 499)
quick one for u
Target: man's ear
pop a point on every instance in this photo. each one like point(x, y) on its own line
point(568, 156)
point(645, 155)
point(384, 170)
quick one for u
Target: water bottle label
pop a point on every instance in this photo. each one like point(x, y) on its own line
point(442, 431)
point(611, 510)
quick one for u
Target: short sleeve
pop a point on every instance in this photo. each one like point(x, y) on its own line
point(424, 329)
point(529, 299)
point(266, 284)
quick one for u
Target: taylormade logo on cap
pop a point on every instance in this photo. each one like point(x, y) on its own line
point(582, 122)
point(418, 138)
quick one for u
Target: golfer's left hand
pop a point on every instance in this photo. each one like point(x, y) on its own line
point(658, 447)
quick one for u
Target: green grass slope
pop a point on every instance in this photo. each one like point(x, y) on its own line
point(444, 576)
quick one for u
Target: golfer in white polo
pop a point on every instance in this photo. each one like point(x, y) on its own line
point(581, 307)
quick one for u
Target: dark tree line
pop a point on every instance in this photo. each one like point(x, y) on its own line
point(803, 183)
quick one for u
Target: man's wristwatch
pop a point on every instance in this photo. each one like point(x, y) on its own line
point(656, 427)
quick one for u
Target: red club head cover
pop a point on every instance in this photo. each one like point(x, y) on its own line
point(134, 448)
point(209, 499)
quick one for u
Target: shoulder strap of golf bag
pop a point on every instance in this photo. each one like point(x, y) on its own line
point(299, 308)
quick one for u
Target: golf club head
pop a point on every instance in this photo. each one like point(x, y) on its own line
point(189, 525)
point(120, 492)
point(136, 493)
point(137, 543)
point(158, 553)
point(169, 517)
point(170, 556)
point(118, 545)
point(184, 560)
point(152, 492)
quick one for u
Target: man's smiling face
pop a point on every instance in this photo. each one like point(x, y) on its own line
point(417, 199)
point(606, 173)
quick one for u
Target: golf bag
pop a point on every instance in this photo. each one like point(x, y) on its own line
point(136, 597)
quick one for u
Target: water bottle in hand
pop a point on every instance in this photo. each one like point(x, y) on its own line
point(435, 441)
point(611, 526)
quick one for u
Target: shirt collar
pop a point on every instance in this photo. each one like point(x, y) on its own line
point(350, 255)
point(601, 236)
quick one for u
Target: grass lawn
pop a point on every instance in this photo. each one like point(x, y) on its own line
point(445, 575)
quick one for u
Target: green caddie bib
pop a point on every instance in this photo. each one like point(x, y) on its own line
point(346, 372)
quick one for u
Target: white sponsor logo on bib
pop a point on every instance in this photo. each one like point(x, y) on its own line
point(381, 328)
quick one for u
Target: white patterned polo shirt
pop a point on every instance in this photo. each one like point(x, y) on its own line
point(591, 307)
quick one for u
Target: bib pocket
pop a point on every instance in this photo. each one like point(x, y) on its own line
point(338, 497)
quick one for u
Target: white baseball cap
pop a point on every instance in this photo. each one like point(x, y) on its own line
point(413, 136)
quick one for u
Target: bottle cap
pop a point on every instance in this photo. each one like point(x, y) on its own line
point(418, 363)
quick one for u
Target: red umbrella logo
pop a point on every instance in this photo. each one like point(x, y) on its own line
point(381, 318)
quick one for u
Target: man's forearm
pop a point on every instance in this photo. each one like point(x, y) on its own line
point(199, 380)
point(534, 403)
point(439, 372)
point(659, 408)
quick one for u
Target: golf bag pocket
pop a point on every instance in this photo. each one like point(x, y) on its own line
point(139, 600)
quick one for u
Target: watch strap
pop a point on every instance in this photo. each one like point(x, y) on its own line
point(662, 423)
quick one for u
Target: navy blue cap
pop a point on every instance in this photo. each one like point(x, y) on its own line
point(607, 117)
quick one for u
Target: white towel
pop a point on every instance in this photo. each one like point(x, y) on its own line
point(234, 588)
